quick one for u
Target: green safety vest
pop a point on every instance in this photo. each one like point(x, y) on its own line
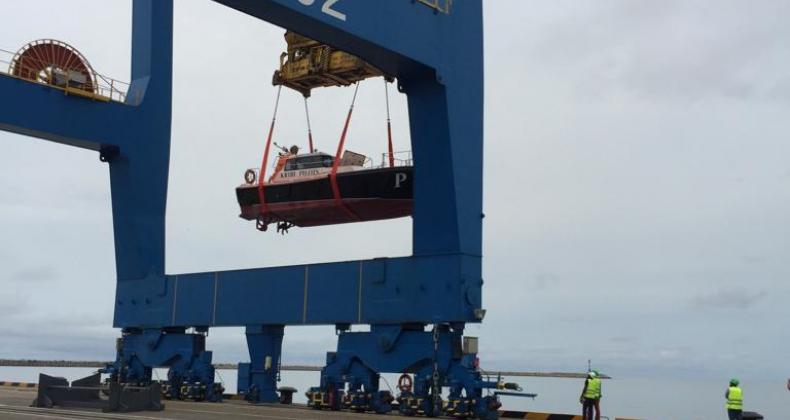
point(593, 390)
point(735, 398)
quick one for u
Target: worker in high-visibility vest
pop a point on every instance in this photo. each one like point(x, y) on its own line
point(591, 396)
point(734, 396)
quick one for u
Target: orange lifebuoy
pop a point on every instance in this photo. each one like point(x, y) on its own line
point(405, 383)
point(249, 176)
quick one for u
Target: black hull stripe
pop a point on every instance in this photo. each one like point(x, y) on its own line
point(385, 183)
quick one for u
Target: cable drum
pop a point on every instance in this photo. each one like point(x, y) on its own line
point(55, 63)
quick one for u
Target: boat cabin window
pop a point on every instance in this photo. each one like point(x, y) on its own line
point(309, 162)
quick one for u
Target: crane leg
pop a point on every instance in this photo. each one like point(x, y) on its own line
point(436, 357)
point(257, 380)
point(190, 374)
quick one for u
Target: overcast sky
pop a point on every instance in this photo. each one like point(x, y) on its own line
point(637, 184)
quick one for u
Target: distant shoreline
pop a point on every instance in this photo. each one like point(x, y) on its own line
point(232, 366)
point(99, 364)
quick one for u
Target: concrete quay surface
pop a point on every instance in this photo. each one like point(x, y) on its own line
point(15, 402)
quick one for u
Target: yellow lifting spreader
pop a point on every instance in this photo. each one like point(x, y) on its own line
point(309, 64)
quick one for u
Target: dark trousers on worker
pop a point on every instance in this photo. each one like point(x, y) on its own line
point(735, 414)
point(587, 409)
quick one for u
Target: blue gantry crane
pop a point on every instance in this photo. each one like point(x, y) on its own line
point(417, 306)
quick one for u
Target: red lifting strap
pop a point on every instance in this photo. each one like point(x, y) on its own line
point(262, 174)
point(336, 163)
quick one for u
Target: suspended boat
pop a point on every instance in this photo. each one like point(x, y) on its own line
point(315, 188)
point(311, 189)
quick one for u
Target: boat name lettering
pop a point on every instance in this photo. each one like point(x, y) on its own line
point(399, 178)
point(304, 172)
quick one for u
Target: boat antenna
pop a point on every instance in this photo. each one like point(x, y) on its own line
point(389, 125)
point(309, 130)
point(283, 148)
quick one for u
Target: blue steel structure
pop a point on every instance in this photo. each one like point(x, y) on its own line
point(417, 306)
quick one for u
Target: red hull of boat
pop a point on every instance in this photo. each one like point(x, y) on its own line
point(327, 212)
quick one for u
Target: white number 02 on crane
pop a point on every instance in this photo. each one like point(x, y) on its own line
point(327, 8)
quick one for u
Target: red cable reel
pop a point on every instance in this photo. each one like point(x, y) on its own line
point(54, 63)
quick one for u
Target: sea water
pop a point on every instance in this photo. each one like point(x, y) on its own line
point(649, 399)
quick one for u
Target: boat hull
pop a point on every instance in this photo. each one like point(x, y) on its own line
point(365, 195)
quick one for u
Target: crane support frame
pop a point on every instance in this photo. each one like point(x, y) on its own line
point(437, 59)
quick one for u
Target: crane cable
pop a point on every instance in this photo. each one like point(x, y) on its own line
point(265, 159)
point(389, 126)
point(336, 163)
point(309, 129)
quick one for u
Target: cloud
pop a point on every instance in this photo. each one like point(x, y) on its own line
point(753, 259)
point(627, 339)
point(544, 281)
point(729, 299)
point(78, 336)
point(40, 274)
point(605, 185)
point(671, 50)
point(12, 304)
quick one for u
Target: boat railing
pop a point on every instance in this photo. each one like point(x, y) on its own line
point(401, 158)
point(368, 163)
